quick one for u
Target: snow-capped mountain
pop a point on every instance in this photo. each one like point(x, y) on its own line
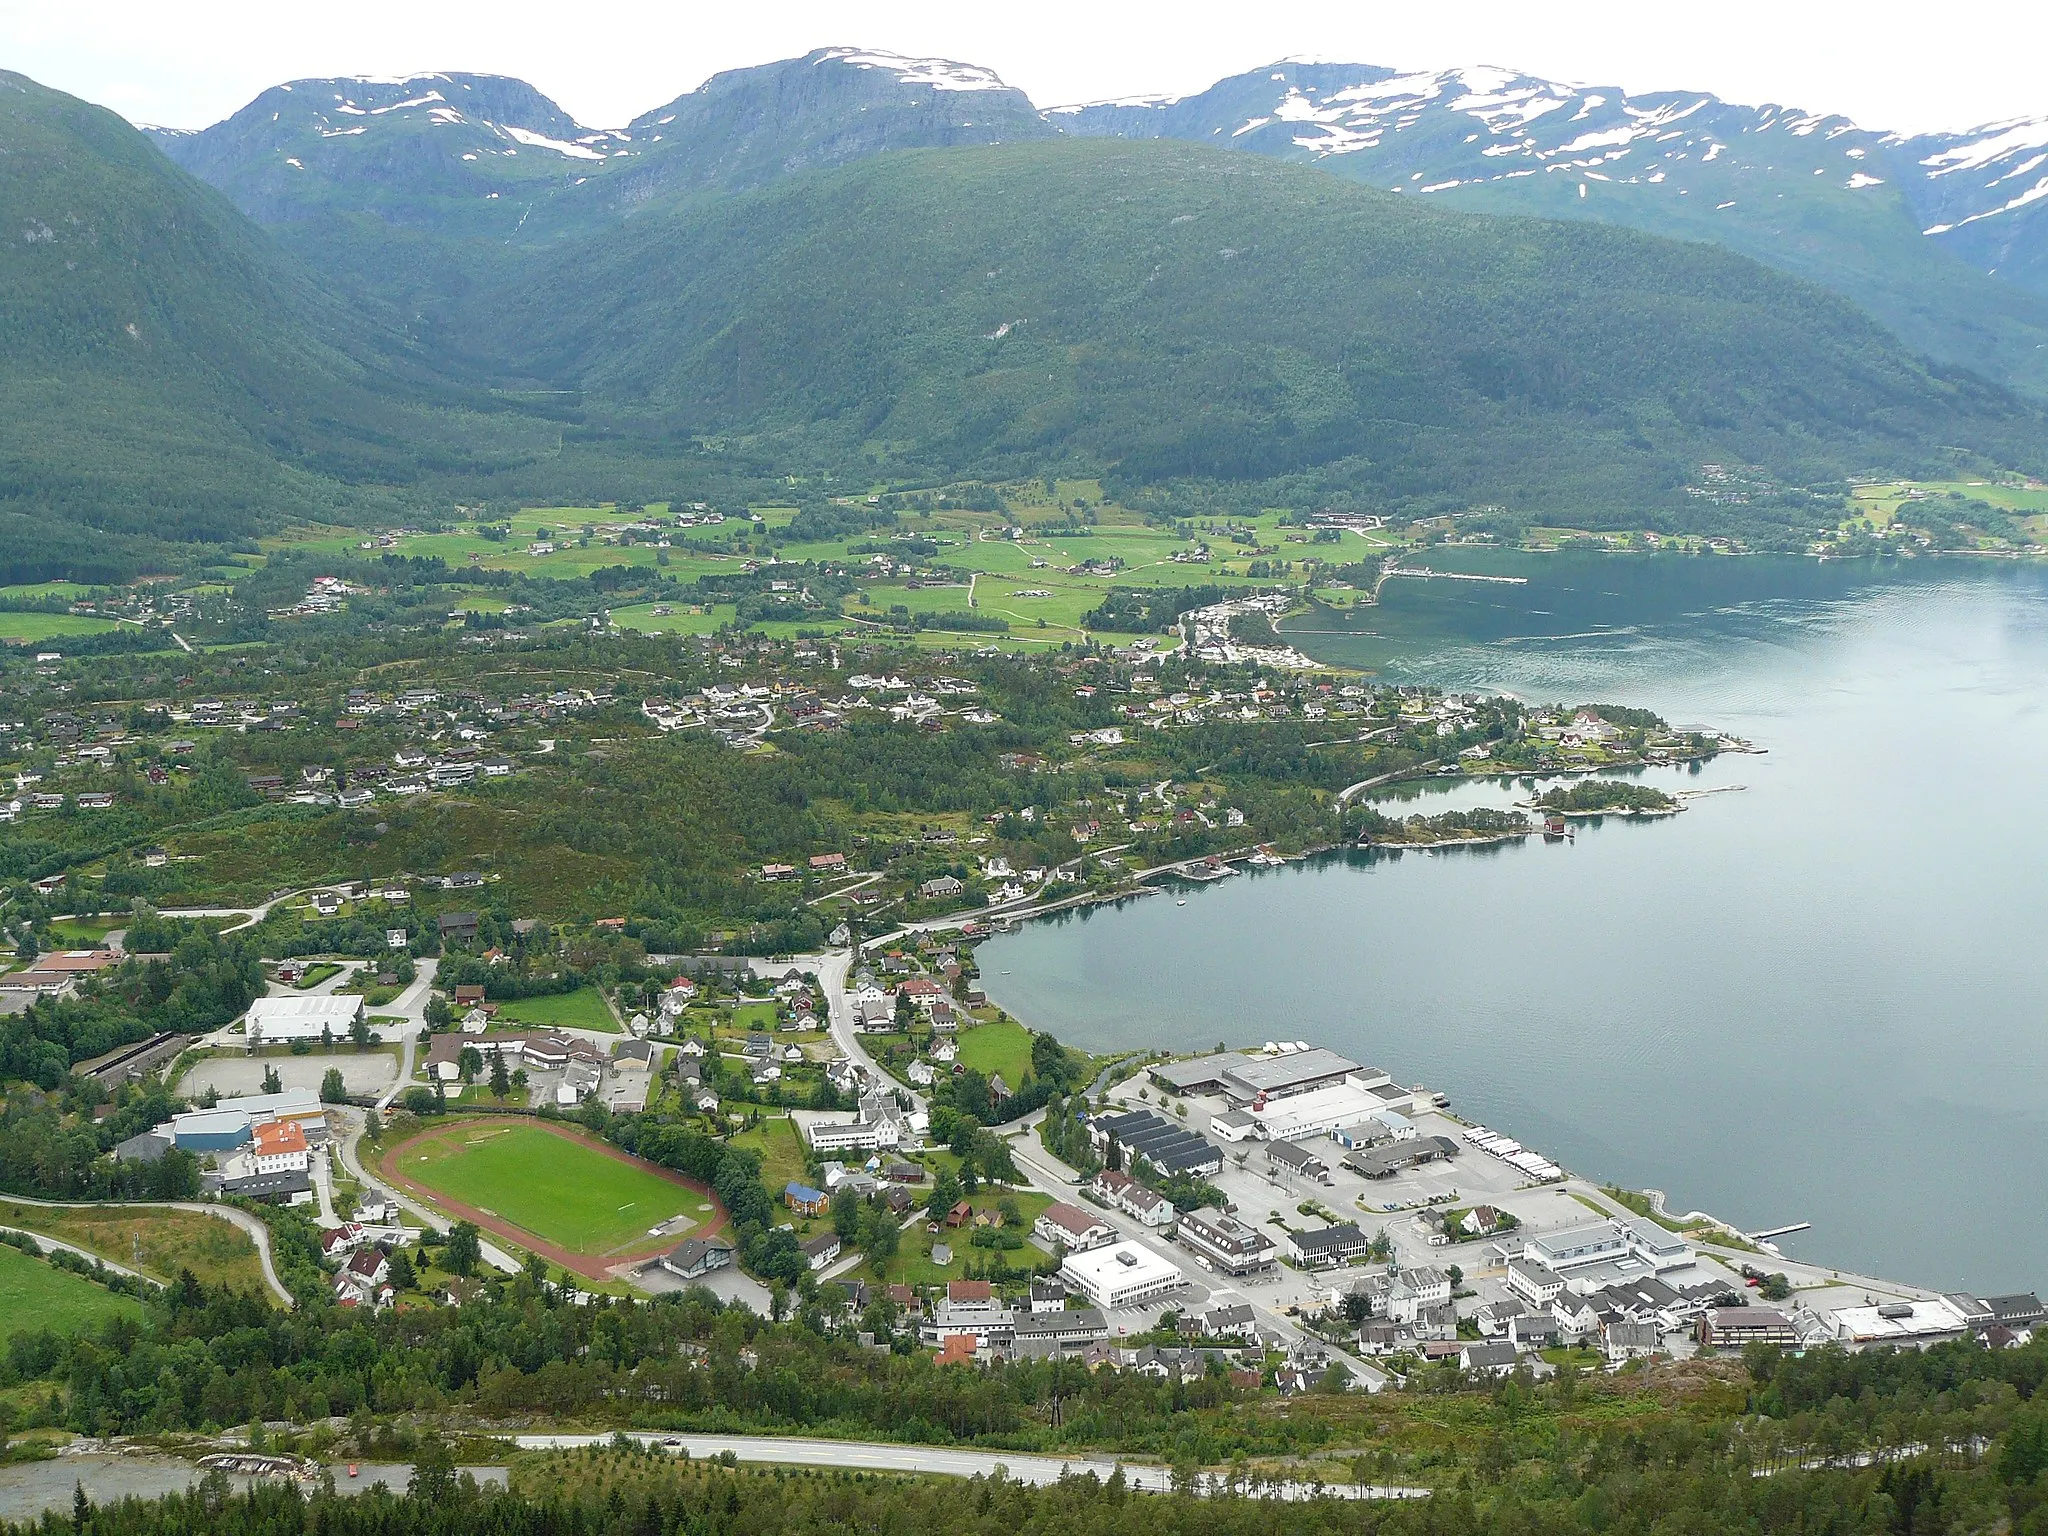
point(1985, 195)
point(400, 148)
point(1943, 237)
point(1445, 131)
point(832, 106)
point(1912, 228)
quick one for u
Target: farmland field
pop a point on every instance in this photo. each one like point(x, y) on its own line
point(34, 1295)
point(568, 1194)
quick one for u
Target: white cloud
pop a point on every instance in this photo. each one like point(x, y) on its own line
point(191, 64)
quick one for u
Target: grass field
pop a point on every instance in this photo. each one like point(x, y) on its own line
point(781, 1149)
point(992, 1048)
point(158, 1242)
point(582, 1009)
point(33, 1295)
point(560, 1190)
point(51, 626)
point(84, 932)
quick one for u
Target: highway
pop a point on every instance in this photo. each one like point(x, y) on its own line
point(944, 1461)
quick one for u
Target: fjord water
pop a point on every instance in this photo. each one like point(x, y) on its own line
point(1816, 997)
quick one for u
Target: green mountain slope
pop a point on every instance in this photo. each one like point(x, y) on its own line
point(1168, 311)
point(166, 374)
point(1852, 209)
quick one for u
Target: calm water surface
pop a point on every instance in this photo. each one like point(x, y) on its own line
point(1818, 997)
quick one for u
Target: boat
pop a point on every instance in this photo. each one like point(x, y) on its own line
point(1180, 901)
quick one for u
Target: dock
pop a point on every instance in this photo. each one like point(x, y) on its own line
point(1770, 1232)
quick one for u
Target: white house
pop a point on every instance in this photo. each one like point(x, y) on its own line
point(1069, 1226)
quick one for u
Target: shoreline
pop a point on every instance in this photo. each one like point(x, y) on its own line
point(1730, 1242)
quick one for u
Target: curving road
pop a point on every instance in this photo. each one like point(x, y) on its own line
point(258, 1232)
point(875, 1456)
point(497, 1258)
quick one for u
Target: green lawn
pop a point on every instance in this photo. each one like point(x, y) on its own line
point(85, 932)
point(560, 1190)
point(34, 1295)
point(51, 626)
point(582, 1009)
point(781, 1149)
point(992, 1048)
point(913, 1262)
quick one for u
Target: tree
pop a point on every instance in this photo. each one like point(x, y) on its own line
point(879, 1236)
point(438, 1014)
point(433, 1470)
point(359, 1030)
point(272, 1083)
point(845, 1213)
point(501, 1080)
point(945, 1193)
point(464, 1250)
point(402, 1277)
point(332, 1089)
point(469, 1061)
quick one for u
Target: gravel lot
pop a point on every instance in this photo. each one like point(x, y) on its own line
point(371, 1072)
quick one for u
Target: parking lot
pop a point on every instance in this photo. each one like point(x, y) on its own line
point(366, 1073)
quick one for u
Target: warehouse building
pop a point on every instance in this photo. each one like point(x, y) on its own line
point(274, 1019)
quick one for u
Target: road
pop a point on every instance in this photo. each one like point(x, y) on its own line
point(411, 1006)
point(251, 915)
point(258, 1232)
point(874, 1456)
point(46, 1243)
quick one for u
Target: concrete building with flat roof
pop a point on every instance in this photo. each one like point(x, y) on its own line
point(1200, 1074)
point(1621, 1239)
point(1121, 1275)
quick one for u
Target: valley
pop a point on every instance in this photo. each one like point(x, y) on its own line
point(658, 784)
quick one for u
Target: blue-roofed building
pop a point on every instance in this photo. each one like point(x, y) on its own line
point(210, 1130)
point(803, 1199)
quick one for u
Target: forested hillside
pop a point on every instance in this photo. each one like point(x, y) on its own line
point(166, 373)
point(1164, 311)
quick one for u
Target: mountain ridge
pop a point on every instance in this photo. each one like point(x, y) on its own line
point(1943, 237)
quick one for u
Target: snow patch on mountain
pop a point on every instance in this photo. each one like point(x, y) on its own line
point(939, 74)
point(534, 140)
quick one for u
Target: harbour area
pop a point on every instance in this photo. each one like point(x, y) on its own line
point(1392, 1225)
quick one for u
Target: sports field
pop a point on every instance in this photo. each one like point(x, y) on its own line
point(34, 1295)
point(572, 1196)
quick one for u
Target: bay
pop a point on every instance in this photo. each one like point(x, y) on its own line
point(1818, 996)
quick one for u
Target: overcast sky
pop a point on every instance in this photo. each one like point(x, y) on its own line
point(1883, 63)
